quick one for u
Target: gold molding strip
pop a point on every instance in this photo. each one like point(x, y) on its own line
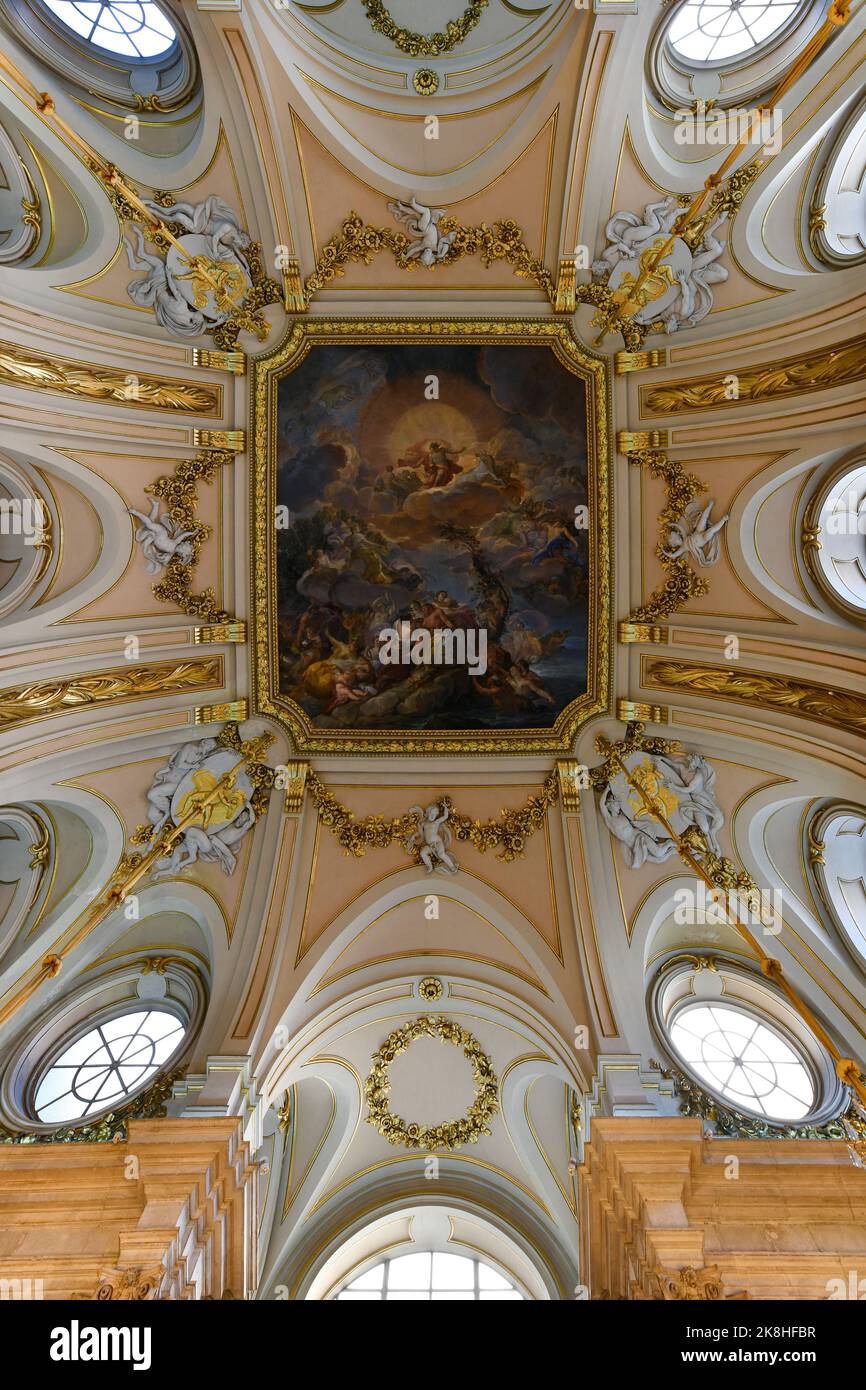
point(22, 704)
point(629, 441)
point(627, 711)
point(827, 704)
point(232, 441)
point(624, 362)
point(653, 633)
point(233, 361)
point(816, 371)
point(568, 773)
point(221, 632)
point(36, 371)
point(235, 711)
point(296, 785)
point(565, 301)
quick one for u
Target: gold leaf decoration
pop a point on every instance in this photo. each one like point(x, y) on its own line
point(450, 1134)
point(23, 703)
point(20, 366)
point(843, 709)
point(814, 371)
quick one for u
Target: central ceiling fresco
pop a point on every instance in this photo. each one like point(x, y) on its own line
point(432, 532)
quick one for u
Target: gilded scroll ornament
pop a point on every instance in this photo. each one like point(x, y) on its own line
point(451, 1134)
point(682, 583)
point(23, 703)
point(842, 709)
point(509, 834)
point(814, 371)
point(179, 553)
point(424, 45)
point(20, 366)
point(357, 243)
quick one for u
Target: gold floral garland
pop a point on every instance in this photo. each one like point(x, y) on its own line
point(358, 242)
point(682, 583)
point(450, 1134)
point(178, 491)
point(511, 831)
point(428, 45)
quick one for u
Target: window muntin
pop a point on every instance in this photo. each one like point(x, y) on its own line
point(720, 31)
point(430, 1277)
point(744, 1060)
point(103, 1067)
point(132, 28)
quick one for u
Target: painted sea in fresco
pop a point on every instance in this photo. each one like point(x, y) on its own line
point(450, 511)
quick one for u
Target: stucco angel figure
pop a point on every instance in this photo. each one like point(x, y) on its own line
point(627, 235)
point(201, 785)
point(161, 539)
point(182, 300)
point(430, 245)
point(169, 777)
point(678, 293)
point(695, 536)
point(682, 785)
point(432, 838)
point(212, 847)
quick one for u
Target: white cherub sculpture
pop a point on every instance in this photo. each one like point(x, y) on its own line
point(432, 838)
point(160, 539)
point(422, 222)
point(694, 536)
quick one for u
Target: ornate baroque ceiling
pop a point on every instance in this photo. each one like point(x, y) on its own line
point(205, 256)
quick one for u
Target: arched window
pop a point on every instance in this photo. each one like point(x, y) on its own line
point(745, 1061)
point(730, 52)
point(432, 1276)
point(836, 841)
point(136, 54)
point(834, 539)
point(103, 1067)
point(717, 31)
point(837, 208)
point(137, 30)
point(742, 1044)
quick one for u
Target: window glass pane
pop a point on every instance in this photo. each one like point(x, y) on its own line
point(452, 1272)
point(745, 1060)
point(371, 1280)
point(107, 1064)
point(135, 30)
point(410, 1272)
point(489, 1278)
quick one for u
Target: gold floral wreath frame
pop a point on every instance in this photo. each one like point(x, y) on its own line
point(267, 371)
point(450, 1134)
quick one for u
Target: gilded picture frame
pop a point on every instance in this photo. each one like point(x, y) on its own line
point(267, 370)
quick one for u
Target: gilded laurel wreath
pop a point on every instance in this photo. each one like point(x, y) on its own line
point(451, 1134)
point(428, 45)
